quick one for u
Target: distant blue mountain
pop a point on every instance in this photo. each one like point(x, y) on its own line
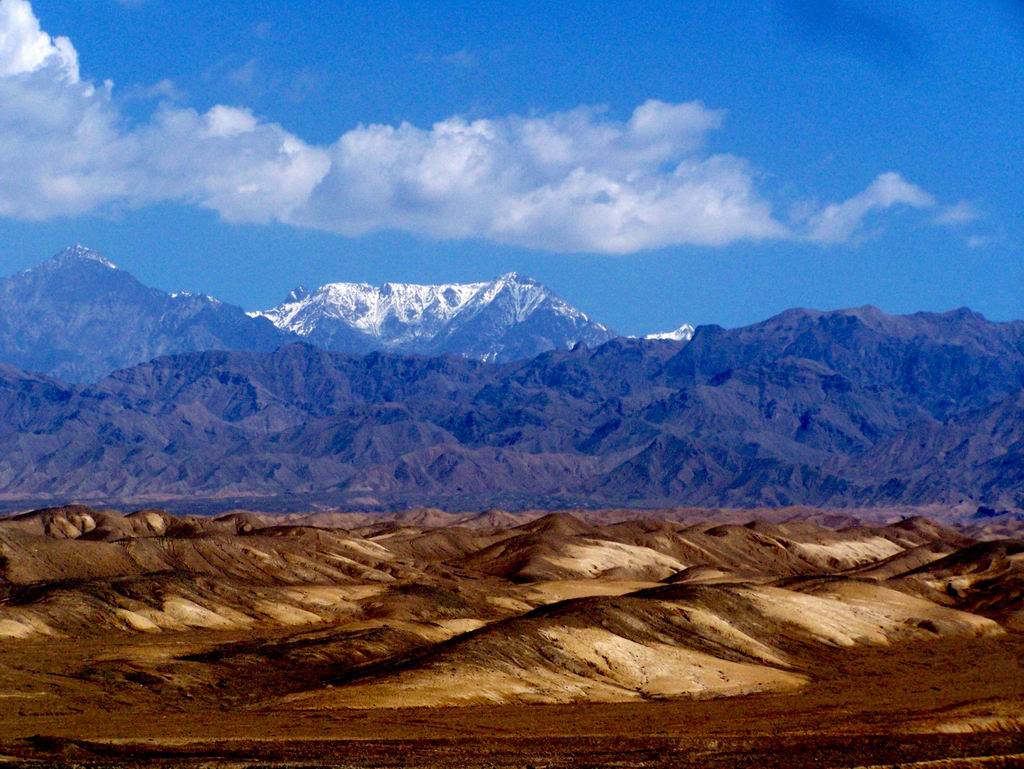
point(853, 407)
point(78, 316)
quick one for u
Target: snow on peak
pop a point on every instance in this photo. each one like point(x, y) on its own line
point(185, 294)
point(80, 253)
point(515, 277)
point(682, 334)
point(369, 309)
point(397, 314)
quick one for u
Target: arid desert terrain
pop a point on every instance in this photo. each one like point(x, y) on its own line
point(788, 638)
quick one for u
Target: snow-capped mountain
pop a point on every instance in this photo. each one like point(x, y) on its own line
point(78, 316)
point(73, 255)
point(682, 334)
point(509, 318)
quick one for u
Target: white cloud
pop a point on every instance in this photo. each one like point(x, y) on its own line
point(957, 214)
point(61, 147)
point(24, 47)
point(838, 222)
point(64, 150)
point(980, 241)
point(245, 75)
point(224, 122)
point(569, 181)
point(164, 88)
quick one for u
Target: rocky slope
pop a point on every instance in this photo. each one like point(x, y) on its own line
point(850, 407)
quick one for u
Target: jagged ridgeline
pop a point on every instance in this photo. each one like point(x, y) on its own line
point(78, 317)
point(511, 318)
point(851, 407)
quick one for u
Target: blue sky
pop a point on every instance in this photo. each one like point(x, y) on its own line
point(711, 162)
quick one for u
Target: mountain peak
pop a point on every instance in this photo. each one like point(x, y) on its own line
point(682, 334)
point(515, 277)
point(510, 317)
point(78, 316)
point(78, 254)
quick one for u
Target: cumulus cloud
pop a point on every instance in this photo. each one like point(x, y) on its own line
point(841, 221)
point(24, 47)
point(64, 150)
point(61, 147)
point(578, 180)
point(568, 181)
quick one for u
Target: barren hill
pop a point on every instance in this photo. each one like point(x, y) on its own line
point(260, 621)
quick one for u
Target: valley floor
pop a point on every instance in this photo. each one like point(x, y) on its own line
point(962, 702)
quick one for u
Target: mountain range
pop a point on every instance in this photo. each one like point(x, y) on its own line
point(852, 407)
point(510, 318)
point(78, 317)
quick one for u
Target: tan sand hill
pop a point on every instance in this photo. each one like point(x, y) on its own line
point(986, 578)
point(661, 642)
point(247, 625)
